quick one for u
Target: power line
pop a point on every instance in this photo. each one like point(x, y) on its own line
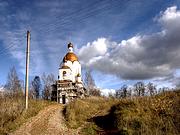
point(81, 15)
point(11, 45)
point(78, 12)
point(65, 21)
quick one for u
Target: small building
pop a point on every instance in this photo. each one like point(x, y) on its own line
point(69, 85)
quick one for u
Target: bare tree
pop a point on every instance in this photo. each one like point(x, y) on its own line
point(95, 92)
point(122, 92)
point(89, 81)
point(163, 89)
point(139, 89)
point(151, 88)
point(90, 84)
point(13, 83)
point(129, 92)
point(48, 80)
point(118, 93)
point(36, 86)
point(32, 93)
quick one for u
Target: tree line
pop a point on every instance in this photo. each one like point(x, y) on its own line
point(40, 87)
point(139, 89)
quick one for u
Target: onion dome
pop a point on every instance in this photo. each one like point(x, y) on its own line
point(70, 56)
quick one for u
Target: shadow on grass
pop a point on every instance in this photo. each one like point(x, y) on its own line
point(107, 124)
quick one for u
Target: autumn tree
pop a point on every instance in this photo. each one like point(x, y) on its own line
point(13, 83)
point(48, 80)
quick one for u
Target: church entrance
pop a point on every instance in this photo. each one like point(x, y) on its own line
point(63, 99)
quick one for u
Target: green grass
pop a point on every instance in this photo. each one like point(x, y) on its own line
point(13, 114)
point(155, 115)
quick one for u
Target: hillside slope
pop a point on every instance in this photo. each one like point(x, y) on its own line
point(49, 121)
point(155, 115)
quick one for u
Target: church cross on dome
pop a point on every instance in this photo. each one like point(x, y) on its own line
point(70, 47)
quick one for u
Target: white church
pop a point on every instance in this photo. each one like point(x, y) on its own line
point(69, 85)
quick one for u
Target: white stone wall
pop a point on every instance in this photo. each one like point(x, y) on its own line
point(67, 76)
point(75, 69)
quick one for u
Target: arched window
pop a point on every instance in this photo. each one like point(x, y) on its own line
point(64, 73)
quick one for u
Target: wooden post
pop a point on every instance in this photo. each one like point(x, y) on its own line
point(27, 69)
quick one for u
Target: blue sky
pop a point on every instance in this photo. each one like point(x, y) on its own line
point(122, 41)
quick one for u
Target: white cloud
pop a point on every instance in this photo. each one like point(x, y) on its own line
point(94, 49)
point(171, 13)
point(139, 57)
point(106, 92)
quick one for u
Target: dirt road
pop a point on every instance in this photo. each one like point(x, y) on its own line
point(49, 121)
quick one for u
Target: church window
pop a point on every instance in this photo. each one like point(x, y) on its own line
point(64, 73)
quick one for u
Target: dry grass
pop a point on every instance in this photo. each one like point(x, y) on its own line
point(12, 113)
point(76, 113)
point(141, 115)
point(148, 115)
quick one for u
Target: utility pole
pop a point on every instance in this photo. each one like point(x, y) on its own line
point(27, 69)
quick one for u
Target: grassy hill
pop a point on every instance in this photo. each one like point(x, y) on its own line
point(156, 115)
point(12, 113)
point(139, 115)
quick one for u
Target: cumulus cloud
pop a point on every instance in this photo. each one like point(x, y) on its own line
point(93, 50)
point(141, 56)
point(106, 92)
